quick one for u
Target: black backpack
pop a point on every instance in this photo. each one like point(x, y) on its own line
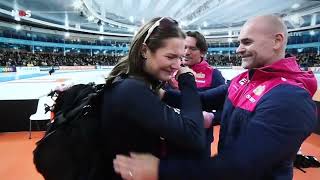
point(303, 161)
point(71, 149)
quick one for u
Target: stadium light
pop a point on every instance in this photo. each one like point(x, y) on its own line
point(296, 20)
point(90, 18)
point(18, 27)
point(101, 28)
point(313, 20)
point(17, 18)
point(67, 34)
point(131, 19)
point(77, 4)
point(295, 6)
point(66, 22)
point(312, 33)
point(205, 24)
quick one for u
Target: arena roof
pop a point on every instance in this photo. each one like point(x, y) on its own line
point(123, 17)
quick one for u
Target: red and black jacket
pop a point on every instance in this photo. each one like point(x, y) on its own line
point(267, 114)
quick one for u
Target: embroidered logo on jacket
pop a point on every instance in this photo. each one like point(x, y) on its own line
point(245, 93)
point(251, 99)
point(259, 90)
point(200, 75)
point(243, 81)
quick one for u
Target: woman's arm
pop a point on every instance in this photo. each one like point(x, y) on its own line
point(145, 108)
point(210, 99)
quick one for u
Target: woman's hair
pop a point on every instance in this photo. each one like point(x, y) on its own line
point(153, 35)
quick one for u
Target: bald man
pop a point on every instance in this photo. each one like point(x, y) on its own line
point(267, 113)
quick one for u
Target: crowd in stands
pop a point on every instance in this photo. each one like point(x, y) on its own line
point(24, 58)
point(223, 60)
point(15, 58)
point(308, 59)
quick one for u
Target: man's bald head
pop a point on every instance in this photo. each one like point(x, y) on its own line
point(269, 24)
point(263, 41)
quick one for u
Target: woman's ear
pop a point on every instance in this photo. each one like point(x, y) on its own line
point(144, 50)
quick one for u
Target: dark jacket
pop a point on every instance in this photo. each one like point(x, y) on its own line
point(134, 119)
point(207, 77)
point(267, 114)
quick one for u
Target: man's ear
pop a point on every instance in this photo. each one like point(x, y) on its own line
point(202, 55)
point(144, 50)
point(279, 41)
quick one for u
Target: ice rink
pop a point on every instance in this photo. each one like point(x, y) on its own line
point(15, 86)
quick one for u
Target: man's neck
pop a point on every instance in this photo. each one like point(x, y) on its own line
point(275, 59)
point(196, 63)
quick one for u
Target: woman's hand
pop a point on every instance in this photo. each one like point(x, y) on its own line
point(184, 69)
point(137, 166)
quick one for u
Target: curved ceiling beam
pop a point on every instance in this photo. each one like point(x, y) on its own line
point(290, 30)
point(175, 7)
point(219, 10)
point(63, 27)
point(143, 4)
point(160, 6)
point(211, 7)
point(285, 18)
point(304, 13)
point(104, 19)
point(188, 9)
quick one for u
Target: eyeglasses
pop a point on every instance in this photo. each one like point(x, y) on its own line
point(157, 23)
